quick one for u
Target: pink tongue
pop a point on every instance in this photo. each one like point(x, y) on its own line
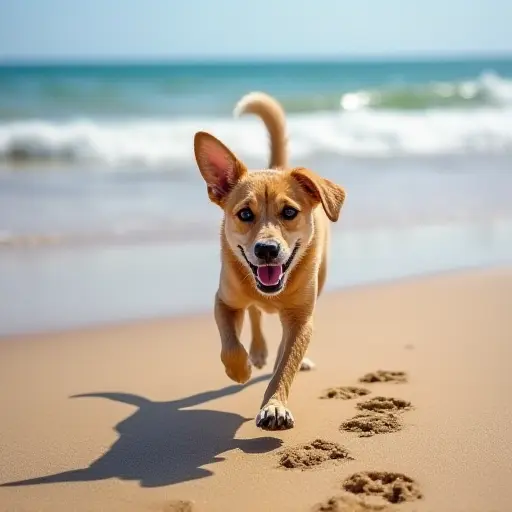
point(269, 274)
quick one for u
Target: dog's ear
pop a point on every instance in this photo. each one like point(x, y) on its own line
point(322, 191)
point(219, 167)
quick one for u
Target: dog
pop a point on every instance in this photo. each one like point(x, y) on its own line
point(274, 253)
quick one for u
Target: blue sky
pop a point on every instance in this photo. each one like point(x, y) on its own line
point(204, 29)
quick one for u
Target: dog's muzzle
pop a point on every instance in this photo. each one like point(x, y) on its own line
point(270, 277)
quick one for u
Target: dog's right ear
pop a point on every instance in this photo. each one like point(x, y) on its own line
point(219, 167)
point(321, 190)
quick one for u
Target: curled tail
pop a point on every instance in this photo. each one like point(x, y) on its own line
point(272, 114)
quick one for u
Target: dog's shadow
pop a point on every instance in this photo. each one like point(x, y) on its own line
point(164, 443)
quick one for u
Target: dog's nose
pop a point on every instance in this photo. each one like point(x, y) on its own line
point(268, 250)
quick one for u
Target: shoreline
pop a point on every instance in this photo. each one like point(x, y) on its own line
point(207, 314)
point(55, 289)
point(132, 417)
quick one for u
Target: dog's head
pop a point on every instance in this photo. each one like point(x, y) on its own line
point(268, 214)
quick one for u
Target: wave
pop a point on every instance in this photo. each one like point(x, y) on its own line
point(167, 144)
point(488, 90)
point(387, 122)
point(147, 92)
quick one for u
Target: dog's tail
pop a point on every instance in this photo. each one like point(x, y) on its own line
point(272, 114)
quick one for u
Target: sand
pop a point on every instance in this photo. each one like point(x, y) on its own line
point(367, 424)
point(345, 392)
point(141, 416)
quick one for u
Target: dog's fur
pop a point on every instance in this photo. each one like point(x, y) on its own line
point(303, 240)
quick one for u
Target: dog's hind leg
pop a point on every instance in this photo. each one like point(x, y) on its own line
point(258, 352)
point(306, 364)
point(322, 275)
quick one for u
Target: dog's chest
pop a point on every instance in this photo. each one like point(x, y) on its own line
point(266, 306)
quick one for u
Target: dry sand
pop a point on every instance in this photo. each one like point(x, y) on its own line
point(141, 417)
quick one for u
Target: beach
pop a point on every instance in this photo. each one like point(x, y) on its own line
point(162, 424)
point(76, 244)
point(112, 392)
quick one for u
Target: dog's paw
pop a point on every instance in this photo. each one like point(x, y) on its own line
point(240, 373)
point(275, 416)
point(306, 365)
point(236, 363)
point(258, 358)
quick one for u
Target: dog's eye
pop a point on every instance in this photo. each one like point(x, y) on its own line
point(289, 213)
point(245, 215)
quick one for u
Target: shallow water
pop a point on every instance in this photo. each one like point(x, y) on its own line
point(70, 205)
point(59, 288)
point(104, 217)
point(86, 247)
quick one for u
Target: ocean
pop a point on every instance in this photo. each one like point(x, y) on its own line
point(97, 158)
point(121, 115)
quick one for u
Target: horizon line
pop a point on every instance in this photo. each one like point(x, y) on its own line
point(262, 59)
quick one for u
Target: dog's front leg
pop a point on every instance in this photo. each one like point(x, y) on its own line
point(233, 354)
point(297, 331)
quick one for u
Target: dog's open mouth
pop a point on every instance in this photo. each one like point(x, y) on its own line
point(270, 278)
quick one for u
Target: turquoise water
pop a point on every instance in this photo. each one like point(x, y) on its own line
point(93, 152)
point(178, 90)
point(100, 195)
point(144, 115)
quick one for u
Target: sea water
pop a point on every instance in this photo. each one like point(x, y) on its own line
point(99, 192)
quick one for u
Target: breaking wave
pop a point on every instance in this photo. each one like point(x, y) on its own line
point(466, 117)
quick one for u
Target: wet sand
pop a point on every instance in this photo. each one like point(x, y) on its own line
point(136, 416)
point(59, 287)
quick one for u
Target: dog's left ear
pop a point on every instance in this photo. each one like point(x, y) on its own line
point(322, 191)
point(219, 167)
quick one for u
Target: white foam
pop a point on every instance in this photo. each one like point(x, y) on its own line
point(168, 143)
point(488, 89)
point(495, 86)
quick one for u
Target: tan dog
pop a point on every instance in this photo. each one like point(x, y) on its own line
point(274, 243)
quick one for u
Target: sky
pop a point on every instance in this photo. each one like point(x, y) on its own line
point(258, 29)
